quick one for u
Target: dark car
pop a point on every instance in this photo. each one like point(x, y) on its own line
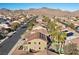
point(24, 26)
point(70, 34)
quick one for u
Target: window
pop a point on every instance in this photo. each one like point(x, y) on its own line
point(39, 48)
point(42, 36)
point(29, 42)
point(45, 47)
point(39, 43)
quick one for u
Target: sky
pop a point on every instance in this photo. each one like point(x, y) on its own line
point(62, 6)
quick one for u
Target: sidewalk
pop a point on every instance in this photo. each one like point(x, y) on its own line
point(20, 42)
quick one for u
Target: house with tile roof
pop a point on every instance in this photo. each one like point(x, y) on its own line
point(36, 40)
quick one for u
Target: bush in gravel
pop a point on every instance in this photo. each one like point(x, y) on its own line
point(71, 49)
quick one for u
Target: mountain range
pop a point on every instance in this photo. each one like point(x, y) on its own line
point(40, 11)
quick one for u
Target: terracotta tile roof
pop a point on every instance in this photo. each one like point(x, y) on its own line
point(41, 31)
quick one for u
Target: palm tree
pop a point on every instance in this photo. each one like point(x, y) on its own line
point(51, 26)
point(57, 34)
point(61, 40)
point(46, 19)
point(53, 30)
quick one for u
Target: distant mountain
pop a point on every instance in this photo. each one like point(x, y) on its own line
point(40, 11)
point(4, 9)
point(48, 12)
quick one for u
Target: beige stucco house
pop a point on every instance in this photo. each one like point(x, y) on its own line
point(36, 42)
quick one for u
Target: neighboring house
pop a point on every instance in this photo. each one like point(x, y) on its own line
point(4, 26)
point(39, 20)
point(39, 28)
point(2, 20)
point(21, 19)
point(35, 42)
point(16, 22)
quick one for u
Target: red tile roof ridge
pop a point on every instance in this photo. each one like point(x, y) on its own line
point(35, 35)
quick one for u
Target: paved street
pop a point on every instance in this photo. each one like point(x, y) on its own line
point(9, 43)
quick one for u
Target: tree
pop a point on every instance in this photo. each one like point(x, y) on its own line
point(15, 25)
point(31, 24)
point(61, 40)
point(46, 19)
point(2, 35)
point(9, 29)
point(51, 26)
point(58, 36)
point(72, 26)
point(71, 49)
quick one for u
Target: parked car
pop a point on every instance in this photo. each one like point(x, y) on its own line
point(70, 34)
point(24, 26)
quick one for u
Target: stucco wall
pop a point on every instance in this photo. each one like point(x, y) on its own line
point(35, 45)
